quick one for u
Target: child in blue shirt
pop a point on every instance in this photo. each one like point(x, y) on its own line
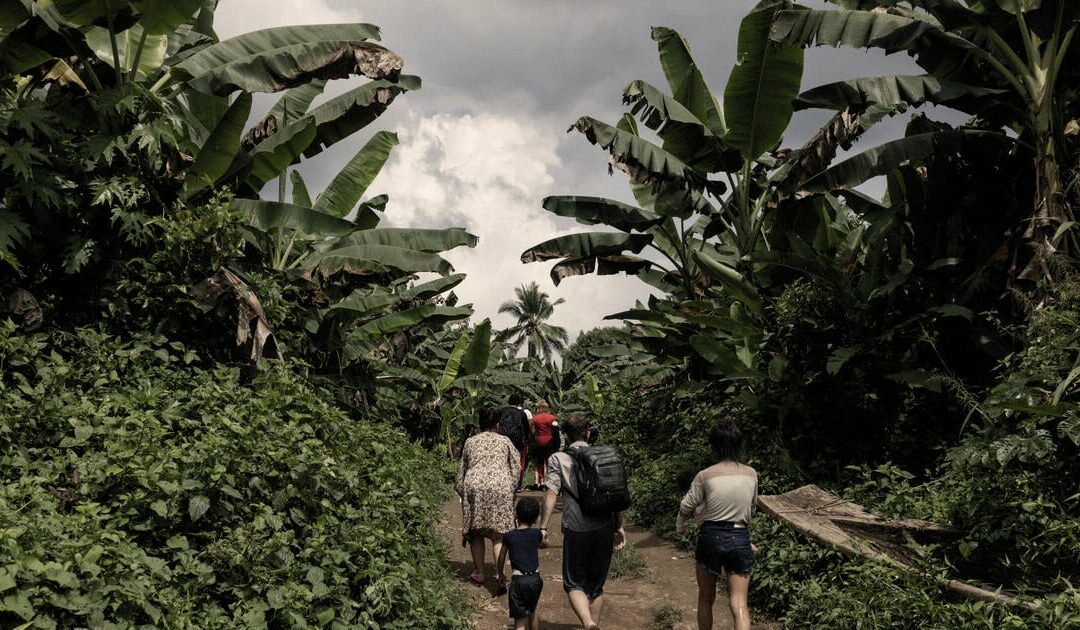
point(523, 546)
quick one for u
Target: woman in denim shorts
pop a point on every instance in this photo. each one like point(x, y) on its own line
point(722, 497)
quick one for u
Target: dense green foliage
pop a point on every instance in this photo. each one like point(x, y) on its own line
point(157, 469)
point(139, 489)
point(914, 353)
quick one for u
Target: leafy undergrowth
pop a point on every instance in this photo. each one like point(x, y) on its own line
point(139, 490)
point(798, 581)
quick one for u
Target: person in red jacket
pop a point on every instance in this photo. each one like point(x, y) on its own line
point(544, 429)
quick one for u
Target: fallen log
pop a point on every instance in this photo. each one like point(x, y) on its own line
point(857, 532)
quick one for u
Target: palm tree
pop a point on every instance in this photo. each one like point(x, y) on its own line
point(531, 308)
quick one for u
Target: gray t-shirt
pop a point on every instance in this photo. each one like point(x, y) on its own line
point(560, 475)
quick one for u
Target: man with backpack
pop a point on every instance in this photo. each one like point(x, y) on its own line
point(514, 424)
point(592, 482)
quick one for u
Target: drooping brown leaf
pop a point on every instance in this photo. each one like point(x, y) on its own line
point(62, 74)
point(815, 156)
point(603, 265)
point(251, 321)
point(23, 305)
point(263, 129)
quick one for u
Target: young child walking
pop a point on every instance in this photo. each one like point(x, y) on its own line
point(523, 546)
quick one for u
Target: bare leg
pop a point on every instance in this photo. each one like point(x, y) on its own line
point(739, 586)
point(496, 549)
point(476, 546)
point(520, 622)
point(595, 606)
point(706, 597)
point(580, 603)
point(534, 621)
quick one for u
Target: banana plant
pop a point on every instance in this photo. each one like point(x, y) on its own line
point(715, 193)
point(701, 208)
point(703, 196)
point(1018, 51)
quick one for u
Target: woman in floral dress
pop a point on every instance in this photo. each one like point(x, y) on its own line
point(485, 482)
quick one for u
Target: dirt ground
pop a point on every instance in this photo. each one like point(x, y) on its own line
point(630, 603)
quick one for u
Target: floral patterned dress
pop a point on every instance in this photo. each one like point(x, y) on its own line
point(486, 481)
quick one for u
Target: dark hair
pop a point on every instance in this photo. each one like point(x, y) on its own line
point(489, 417)
point(576, 428)
point(527, 511)
point(726, 440)
point(516, 399)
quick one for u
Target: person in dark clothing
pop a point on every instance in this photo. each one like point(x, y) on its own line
point(514, 424)
point(523, 546)
point(588, 541)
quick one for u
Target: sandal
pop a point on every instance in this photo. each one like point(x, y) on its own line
point(477, 578)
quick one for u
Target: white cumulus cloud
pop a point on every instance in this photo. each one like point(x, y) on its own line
point(488, 173)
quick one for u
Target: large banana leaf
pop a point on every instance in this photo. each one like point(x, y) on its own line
point(586, 244)
point(643, 160)
point(271, 215)
point(271, 157)
point(885, 157)
point(878, 96)
point(720, 355)
point(341, 116)
point(453, 365)
point(161, 17)
point(426, 314)
point(684, 136)
point(81, 13)
point(860, 29)
point(300, 194)
point(376, 259)
point(672, 200)
point(739, 287)
point(646, 315)
point(597, 210)
point(219, 150)
point(12, 14)
point(294, 103)
point(476, 357)
point(17, 56)
point(759, 93)
point(274, 59)
point(603, 265)
point(364, 301)
point(128, 45)
point(422, 240)
point(687, 83)
point(348, 186)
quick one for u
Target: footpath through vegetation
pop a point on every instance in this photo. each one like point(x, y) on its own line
point(651, 586)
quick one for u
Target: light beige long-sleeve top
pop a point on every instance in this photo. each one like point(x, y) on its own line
point(727, 490)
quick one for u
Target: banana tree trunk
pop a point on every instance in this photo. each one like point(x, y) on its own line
point(1050, 211)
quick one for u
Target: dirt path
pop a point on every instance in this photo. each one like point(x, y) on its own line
point(630, 603)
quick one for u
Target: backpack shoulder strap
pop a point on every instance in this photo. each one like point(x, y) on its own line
point(572, 453)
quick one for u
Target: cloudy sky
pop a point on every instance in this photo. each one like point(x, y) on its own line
point(485, 140)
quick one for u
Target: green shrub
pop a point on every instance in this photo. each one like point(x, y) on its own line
point(138, 490)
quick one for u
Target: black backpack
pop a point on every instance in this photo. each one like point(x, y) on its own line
point(601, 480)
point(514, 424)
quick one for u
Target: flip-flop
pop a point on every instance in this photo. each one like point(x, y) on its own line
point(477, 578)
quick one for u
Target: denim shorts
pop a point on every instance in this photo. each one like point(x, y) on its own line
point(724, 547)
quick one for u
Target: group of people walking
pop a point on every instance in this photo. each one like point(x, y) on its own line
point(491, 473)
